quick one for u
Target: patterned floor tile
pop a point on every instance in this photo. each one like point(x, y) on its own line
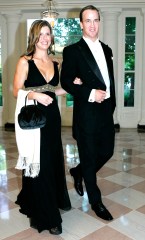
point(121, 181)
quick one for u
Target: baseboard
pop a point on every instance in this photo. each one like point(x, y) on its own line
point(141, 128)
point(9, 127)
point(117, 127)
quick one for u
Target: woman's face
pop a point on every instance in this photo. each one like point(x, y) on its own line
point(45, 38)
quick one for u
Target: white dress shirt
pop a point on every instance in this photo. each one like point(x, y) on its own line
point(98, 54)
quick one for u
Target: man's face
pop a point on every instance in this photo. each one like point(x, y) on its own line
point(90, 24)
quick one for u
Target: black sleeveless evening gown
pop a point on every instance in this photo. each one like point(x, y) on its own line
point(41, 197)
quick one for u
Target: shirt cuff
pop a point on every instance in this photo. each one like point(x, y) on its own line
point(92, 96)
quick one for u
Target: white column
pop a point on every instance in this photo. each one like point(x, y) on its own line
point(13, 53)
point(142, 120)
point(110, 37)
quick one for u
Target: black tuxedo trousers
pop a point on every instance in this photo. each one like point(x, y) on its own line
point(95, 140)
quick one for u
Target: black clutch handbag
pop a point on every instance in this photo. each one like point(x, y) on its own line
point(31, 116)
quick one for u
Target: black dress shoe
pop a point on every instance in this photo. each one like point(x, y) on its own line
point(56, 230)
point(77, 181)
point(101, 211)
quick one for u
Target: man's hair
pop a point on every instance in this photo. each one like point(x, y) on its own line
point(89, 7)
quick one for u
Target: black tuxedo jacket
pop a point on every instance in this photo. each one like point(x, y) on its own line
point(78, 61)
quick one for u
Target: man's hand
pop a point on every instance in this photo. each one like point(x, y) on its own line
point(77, 81)
point(100, 96)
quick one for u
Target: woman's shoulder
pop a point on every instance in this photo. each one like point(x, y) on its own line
point(24, 60)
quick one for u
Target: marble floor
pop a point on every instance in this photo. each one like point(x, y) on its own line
point(121, 180)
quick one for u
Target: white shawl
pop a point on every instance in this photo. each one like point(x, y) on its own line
point(28, 141)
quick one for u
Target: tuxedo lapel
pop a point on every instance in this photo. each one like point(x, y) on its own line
point(88, 56)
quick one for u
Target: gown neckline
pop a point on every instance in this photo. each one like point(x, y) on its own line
point(42, 74)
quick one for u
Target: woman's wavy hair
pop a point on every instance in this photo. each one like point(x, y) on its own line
point(34, 34)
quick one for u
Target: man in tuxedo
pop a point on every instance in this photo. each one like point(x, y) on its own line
point(94, 102)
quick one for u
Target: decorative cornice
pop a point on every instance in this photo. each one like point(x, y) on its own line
point(62, 5)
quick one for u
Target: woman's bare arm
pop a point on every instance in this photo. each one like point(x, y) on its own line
point(60, 91)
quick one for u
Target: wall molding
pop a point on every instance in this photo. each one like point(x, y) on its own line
point(62, 5)
point(141, 128)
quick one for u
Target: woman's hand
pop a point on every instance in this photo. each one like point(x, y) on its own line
point(41, 98)
point(77, 81)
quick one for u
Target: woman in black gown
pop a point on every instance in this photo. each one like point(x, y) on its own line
point(41, 197)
